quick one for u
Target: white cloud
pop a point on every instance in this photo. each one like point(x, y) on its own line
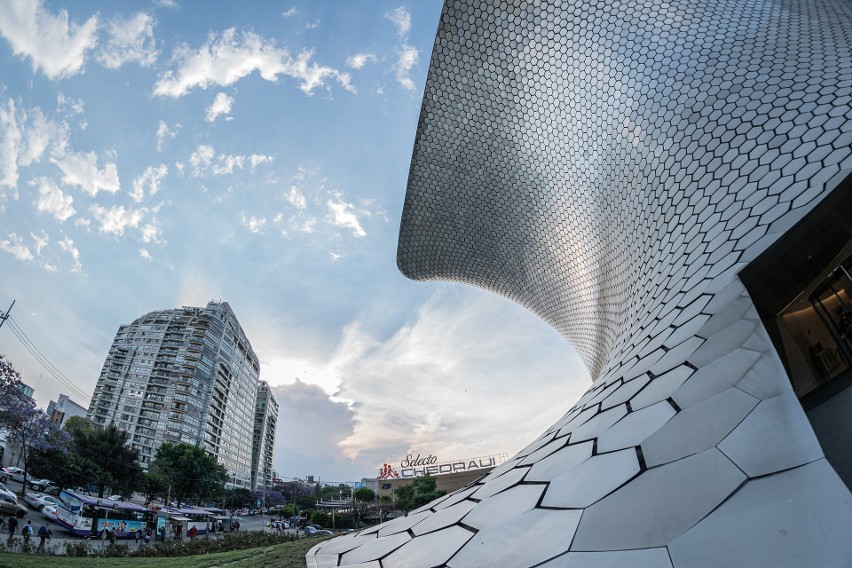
point(205, 161)
point(10, 145)
point(334, 256)
point(150, 180)
point(171, 4)
point(55, 45)
point(81, 169)
point(225, 59)
point(448, 357)
point(358, 60)
point(401, 19)
point(164, 132)
point(41, 134)
point(83, 223)
point(15, 246)
point(145, 254)
point(297, 198)
point(52, 200)
point(342, 214)
point(67, 245)
point(293, 11)
point(408, 56)
point(221, 105)
point(152, 233)
point(130, 39)
point(252, 223)
point(40, 241)
point(114, 220)
point(313, 25)
point(68, 105)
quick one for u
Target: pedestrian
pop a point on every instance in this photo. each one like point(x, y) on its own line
point(136, 536)
point(13, 527)
point(27, 531)
point(112, 536)
point(147, 536)
point(192, 532)
point(44, 533)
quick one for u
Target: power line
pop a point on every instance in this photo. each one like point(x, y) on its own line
point(43, 360)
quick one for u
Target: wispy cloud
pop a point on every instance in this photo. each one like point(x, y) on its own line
point(228, 57)
point(343, 214)
point(296, 198)
point(221, 105)
point(401, 18)
point(149, 180)
point(358, 60)
point(407, 59)
point(10, 144)
point(52, 200)
point(165, 133)
point(14, 245)
point(289, 13)
point(205, 161)
point(115, 220)
point(252, 223)
point(67, 246)
point(129, 39)
point(81, 169)
point(56, 45)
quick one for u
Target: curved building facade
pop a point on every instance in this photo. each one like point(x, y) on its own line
point(614, 167)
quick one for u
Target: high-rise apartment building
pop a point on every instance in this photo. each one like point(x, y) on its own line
point(265, 420)
point(183, 375)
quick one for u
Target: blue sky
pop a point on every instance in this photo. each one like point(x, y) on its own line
point(161, 154)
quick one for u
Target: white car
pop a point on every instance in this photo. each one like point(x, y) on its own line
point(49, 511)
point(13, 473)
point(38, 501)
point(44, 485)
point(6, 491)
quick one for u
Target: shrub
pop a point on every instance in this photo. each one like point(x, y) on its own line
point(80, 548)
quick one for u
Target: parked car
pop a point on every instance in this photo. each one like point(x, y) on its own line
point(37, 501)
point(5, 490)
point(44, 485)
point(49, 511)
point(9, 506)
point(13, 473)
point(310, 530)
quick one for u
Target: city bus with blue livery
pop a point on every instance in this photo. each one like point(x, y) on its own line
point(89, 516)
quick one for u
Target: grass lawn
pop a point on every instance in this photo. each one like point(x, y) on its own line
point(287, 555)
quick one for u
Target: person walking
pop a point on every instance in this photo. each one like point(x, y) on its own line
point(27, 532)
point(13, 528)
point(44, 533)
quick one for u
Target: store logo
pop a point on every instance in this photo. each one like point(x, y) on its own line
point(387, 472)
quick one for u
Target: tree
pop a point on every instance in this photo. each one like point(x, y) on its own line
point(239, 498)
point(420, 491)
point(102, 456)
point(154, 485)
point(363, 505)
point(30, 429)
point(364, 494)
point(10, 379)
point(192, 473)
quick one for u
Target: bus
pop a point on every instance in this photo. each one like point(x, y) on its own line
point(89, 516)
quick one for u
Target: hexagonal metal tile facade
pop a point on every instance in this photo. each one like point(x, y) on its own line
point(612, 166)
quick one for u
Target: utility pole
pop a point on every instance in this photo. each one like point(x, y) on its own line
point(4, 317)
